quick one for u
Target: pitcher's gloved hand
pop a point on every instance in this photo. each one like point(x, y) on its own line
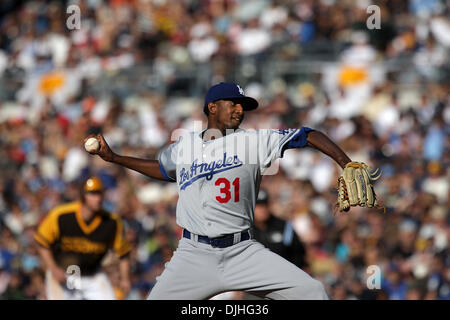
point(355, 186)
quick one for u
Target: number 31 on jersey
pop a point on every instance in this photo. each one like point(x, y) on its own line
point(225, 192)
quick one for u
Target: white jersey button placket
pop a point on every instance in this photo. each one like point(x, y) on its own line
point(203, 151)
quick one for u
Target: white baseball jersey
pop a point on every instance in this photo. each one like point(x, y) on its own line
point(218, 180)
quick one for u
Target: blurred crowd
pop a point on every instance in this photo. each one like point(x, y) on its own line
point(382, 95)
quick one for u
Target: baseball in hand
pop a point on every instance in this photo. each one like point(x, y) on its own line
point(91, 144)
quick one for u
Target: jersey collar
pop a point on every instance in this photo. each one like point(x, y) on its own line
point(87, 228)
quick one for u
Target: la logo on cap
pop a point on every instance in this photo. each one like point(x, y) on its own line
point(241, 91)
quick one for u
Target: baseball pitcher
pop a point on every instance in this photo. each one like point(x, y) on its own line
point(218, 172)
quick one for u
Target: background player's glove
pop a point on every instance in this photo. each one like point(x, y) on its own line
point(355, 186)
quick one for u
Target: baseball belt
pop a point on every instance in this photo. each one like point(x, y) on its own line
point(220, 242)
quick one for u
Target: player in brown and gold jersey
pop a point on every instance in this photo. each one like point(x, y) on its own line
point(78, 235)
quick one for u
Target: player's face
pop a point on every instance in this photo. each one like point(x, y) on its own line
point(230, 114)
point(93, 200)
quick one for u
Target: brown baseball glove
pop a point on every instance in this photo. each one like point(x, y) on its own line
point(355, 187)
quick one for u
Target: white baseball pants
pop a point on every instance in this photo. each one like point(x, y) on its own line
point(96, 287)
point(199, 271)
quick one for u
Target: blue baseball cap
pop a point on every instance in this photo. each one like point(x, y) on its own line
point(227, 91)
